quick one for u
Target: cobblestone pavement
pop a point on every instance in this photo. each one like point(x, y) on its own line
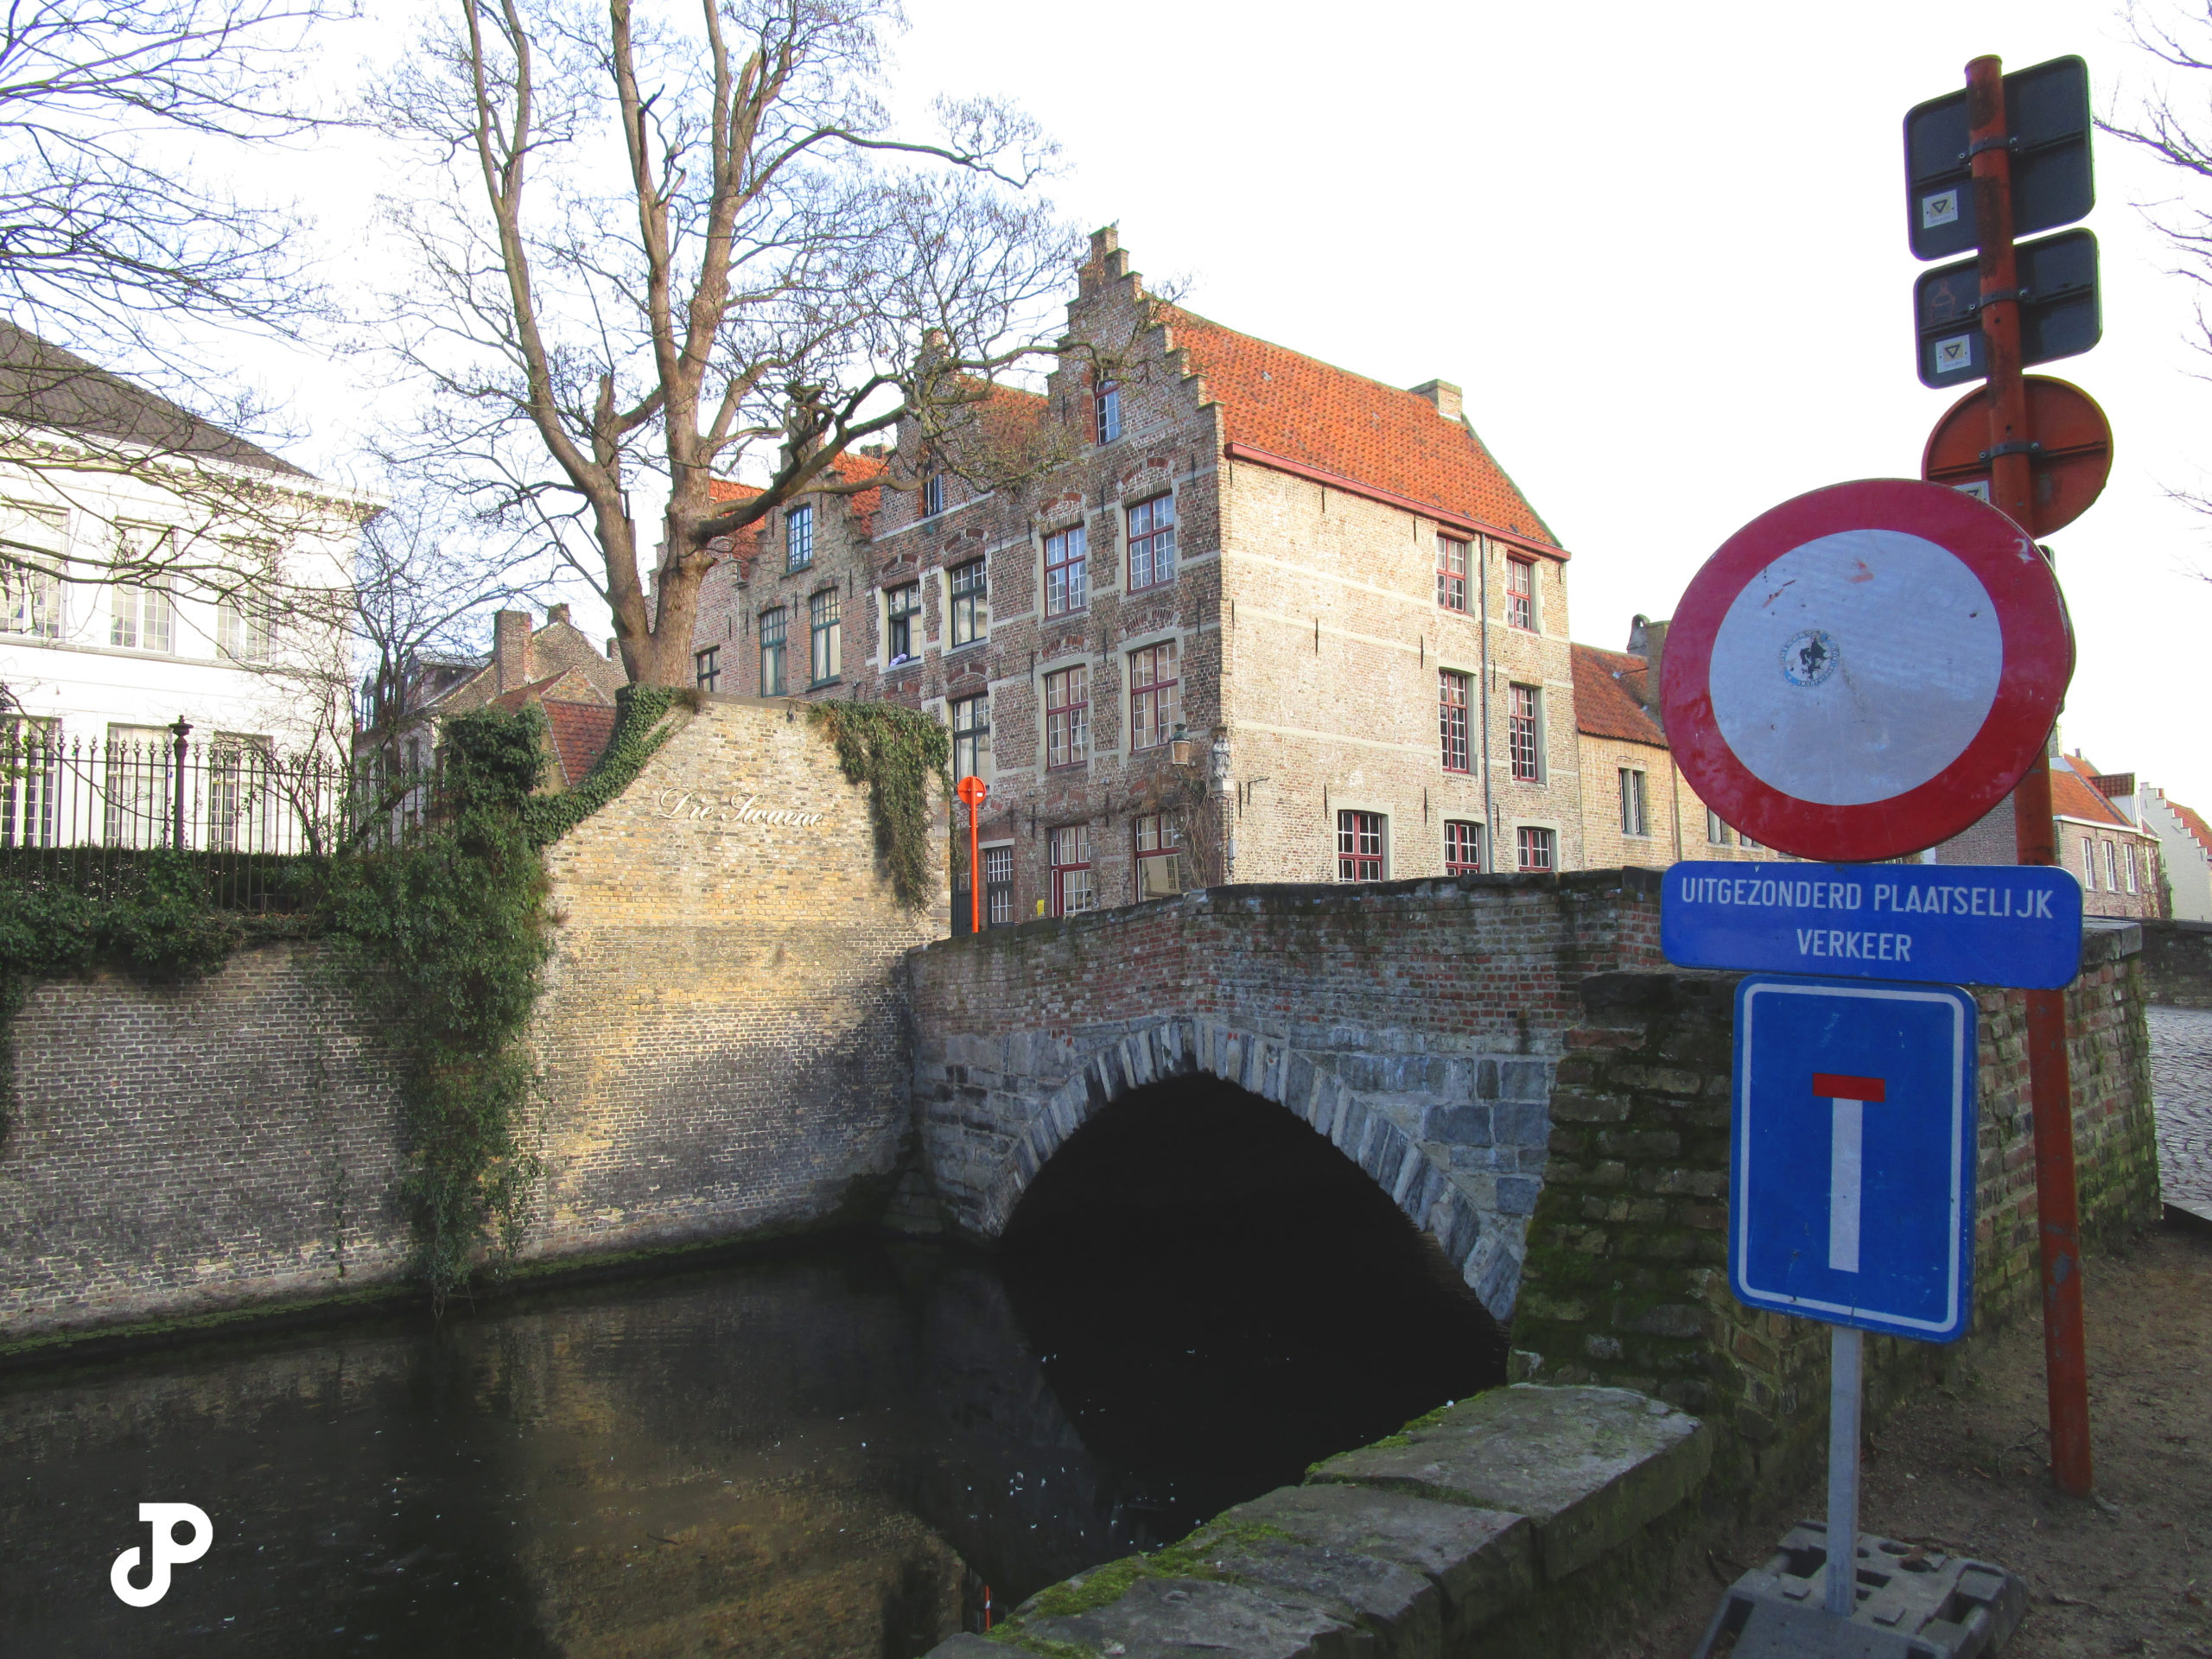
point(2181, 1085)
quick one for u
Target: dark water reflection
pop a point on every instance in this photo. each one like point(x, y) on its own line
point(825, 1454)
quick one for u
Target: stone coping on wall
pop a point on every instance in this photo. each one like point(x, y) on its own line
point(1278, 897)
point(1417, 1547)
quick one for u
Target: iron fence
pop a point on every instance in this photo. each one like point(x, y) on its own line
point(89, 816)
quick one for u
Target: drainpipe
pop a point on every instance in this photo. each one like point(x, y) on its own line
point(1482, 588)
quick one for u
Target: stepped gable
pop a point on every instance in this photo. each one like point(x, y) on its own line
point(1606, 703)
point(2199, 831)
point(1301, 409)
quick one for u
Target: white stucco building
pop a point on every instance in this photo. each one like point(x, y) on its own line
point(154, 568)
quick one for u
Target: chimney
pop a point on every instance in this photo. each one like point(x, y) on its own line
point(1106, 261)
point(511, 650)
point(1648, 639)
point(1444, 394)
point(613, 646)
point(556, 614)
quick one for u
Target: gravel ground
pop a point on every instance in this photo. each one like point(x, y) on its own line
point(1967, 1469)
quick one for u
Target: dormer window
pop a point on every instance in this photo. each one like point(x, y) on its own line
point(1109, 411)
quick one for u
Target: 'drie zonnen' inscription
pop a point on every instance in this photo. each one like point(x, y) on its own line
point(727, 812)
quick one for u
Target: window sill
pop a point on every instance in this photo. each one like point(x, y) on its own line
point(819, 685)
point(1151, 588)
point(973, 645)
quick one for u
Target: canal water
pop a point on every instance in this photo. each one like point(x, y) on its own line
point(840, 1451)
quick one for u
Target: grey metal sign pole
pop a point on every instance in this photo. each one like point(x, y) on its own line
point(1847, 1354)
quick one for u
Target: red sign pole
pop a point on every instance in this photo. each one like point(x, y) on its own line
point(2050, 1085)
point(972, 790)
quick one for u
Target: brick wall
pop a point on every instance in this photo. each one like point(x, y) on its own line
point(722, 1041)
point(1625, 1280)
point(184, 1148)
point(2177, 963)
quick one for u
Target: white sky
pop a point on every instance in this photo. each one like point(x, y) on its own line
point(1661, 248)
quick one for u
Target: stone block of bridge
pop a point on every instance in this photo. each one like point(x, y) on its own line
point(1590, 1467)
point(1430, 1064)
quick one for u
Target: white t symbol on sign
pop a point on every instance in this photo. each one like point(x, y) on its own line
point(1848, 1096)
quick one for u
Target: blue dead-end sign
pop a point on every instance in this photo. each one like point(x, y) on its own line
point(1852, 1165)
point(2017, 924)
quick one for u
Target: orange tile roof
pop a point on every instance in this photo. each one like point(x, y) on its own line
point(2071, 797)
point(580, 733)
point(1606, 686)
point(1316, 415)
point(729, 489)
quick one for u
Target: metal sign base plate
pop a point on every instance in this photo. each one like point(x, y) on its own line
point(1913, 1604)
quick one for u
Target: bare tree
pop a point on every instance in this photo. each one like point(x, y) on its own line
point(2173, 121)
point(423, 579)
point(108, 240)
point(112, 240)
point(649, 252)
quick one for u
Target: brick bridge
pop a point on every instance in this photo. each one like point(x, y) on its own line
point(1418, 1025)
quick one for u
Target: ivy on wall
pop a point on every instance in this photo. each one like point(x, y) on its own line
point(444, 937)
point(896, 751)
point(161, 928)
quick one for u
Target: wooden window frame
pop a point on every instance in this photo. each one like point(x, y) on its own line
point(1067, 571)
point(1151, 525)
point(1155, 704)
point(707, 668)
point(1067, 722)
point(899, 623)
point(1454, 696)
point(1524, 733)
point(1363, 845)
point(971, 605)
point(798, 537)
point(1453, 562)
point(1072, 839)
point(974, 737)
point(1521, 600)
point(775, 635)
point(1530, 839)
point(1463, 850)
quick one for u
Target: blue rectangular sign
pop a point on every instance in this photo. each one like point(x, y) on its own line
point(2017, 924)
point(1852, 1154)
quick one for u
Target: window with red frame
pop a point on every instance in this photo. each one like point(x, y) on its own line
point(1463, 848)
point(1538, 848)
point(1359, 846)
point(1451, 718)
point(1151, 542)
point(1067, 717)
point(1523, 740)
point(1450, 572)
point(1521, 593)
point(1158, 867)
point(1072, 893)
point(1064, 572)
point(1154, 705)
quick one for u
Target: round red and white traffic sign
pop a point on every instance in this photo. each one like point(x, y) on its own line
point(1866, 671)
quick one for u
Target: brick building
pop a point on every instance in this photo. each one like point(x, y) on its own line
point(1242, 616)
point(1636, 806)
point(555, 667)
point(2116, 859)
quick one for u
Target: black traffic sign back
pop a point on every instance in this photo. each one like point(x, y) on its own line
point(2047, 117)
point(2060, 313)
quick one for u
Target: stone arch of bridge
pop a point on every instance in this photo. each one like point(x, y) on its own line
point(1456, 1141)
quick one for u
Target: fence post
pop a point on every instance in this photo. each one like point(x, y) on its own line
point(181, 727)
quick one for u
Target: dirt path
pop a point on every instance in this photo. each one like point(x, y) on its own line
point(1967, 1468)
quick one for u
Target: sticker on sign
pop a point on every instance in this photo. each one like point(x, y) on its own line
point(1866, 671)
point(2011, 924)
